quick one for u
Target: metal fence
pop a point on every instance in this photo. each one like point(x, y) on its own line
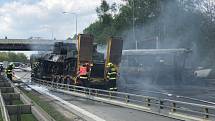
point(166, 107)
point(9, 93)
point(4, 112)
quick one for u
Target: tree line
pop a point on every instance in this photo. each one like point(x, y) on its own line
point(114, 19)
point(175, 23)
point(13, 57)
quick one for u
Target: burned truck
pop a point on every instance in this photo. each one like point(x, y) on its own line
point(154, 66)
point(63, 64)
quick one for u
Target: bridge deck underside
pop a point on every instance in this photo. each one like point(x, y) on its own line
point(26, 47)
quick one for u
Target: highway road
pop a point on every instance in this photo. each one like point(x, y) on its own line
point(99, 110)
point(188, 93)
point(193, 94)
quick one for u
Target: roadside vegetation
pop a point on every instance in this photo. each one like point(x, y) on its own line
point(176, 24)
point(24, 117)
point(1, 119)
point(35, 96)
point(13, 57)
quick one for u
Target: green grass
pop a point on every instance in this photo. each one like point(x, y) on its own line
point(1, 119)
point(24, 117)
point(17, 102)
point(28, 117)
point(45, 105)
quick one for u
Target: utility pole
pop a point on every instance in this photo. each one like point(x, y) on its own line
point(49, 29)
point(76, 22)
point(133, 18)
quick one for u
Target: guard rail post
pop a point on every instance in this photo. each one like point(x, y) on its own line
point(127, 98)
point(68, 87)
point(148, 101)
point(85, 91)
point(96, 93)
point(110, 94)
point(74, 89)
point(18, 115)
point(206, 113)
point(89, 92)
point(161, 104)
point(173, 107)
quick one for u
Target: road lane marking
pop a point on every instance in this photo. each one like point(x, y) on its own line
point(76, 108)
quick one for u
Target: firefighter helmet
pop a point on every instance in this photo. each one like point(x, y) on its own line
point(110, 64)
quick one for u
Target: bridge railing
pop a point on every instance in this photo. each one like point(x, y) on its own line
point(167, 107)
point(29, 41)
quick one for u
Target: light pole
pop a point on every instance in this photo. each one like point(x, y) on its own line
point(133, 16)
point(49, 28)
point(76, 22)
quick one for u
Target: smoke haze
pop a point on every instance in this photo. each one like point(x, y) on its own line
point(178, 26)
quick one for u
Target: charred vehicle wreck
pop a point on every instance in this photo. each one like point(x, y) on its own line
point(155, 66)
point(79, 64)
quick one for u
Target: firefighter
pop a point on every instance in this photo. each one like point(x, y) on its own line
point(1, 68)
point(84, 75)
point(9, 72)
point(112, 76)
point(35, 66)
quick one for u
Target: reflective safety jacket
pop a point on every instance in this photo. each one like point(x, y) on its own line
point(83, 73)
point(35, 66)
point(112, 73)
point(83, 70)
point(8, 71)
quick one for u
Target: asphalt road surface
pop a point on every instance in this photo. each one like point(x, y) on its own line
point(197, 90)
point(102, 110)
point(200, 95)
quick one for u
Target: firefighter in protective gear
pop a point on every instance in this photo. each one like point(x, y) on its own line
point(111, 76)
point(9, 71)
point(34, 67)
point(84, 74)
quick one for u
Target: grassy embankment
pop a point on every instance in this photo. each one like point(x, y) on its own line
point(24, 117)
point(35, 96)
point(1, 119)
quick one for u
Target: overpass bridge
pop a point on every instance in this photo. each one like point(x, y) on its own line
point(28, 44)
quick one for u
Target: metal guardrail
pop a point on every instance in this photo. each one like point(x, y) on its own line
point(159, 106)
point(4, 112)
point(10, 93)
point(36, 110)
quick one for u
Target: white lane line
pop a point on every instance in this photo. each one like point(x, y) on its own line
point(78, 109)
point(74, 107)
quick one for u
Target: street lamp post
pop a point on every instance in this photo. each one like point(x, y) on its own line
point(49, 28)
point(133, 16)
point(76, 22)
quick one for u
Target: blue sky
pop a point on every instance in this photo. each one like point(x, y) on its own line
point(42, 18)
